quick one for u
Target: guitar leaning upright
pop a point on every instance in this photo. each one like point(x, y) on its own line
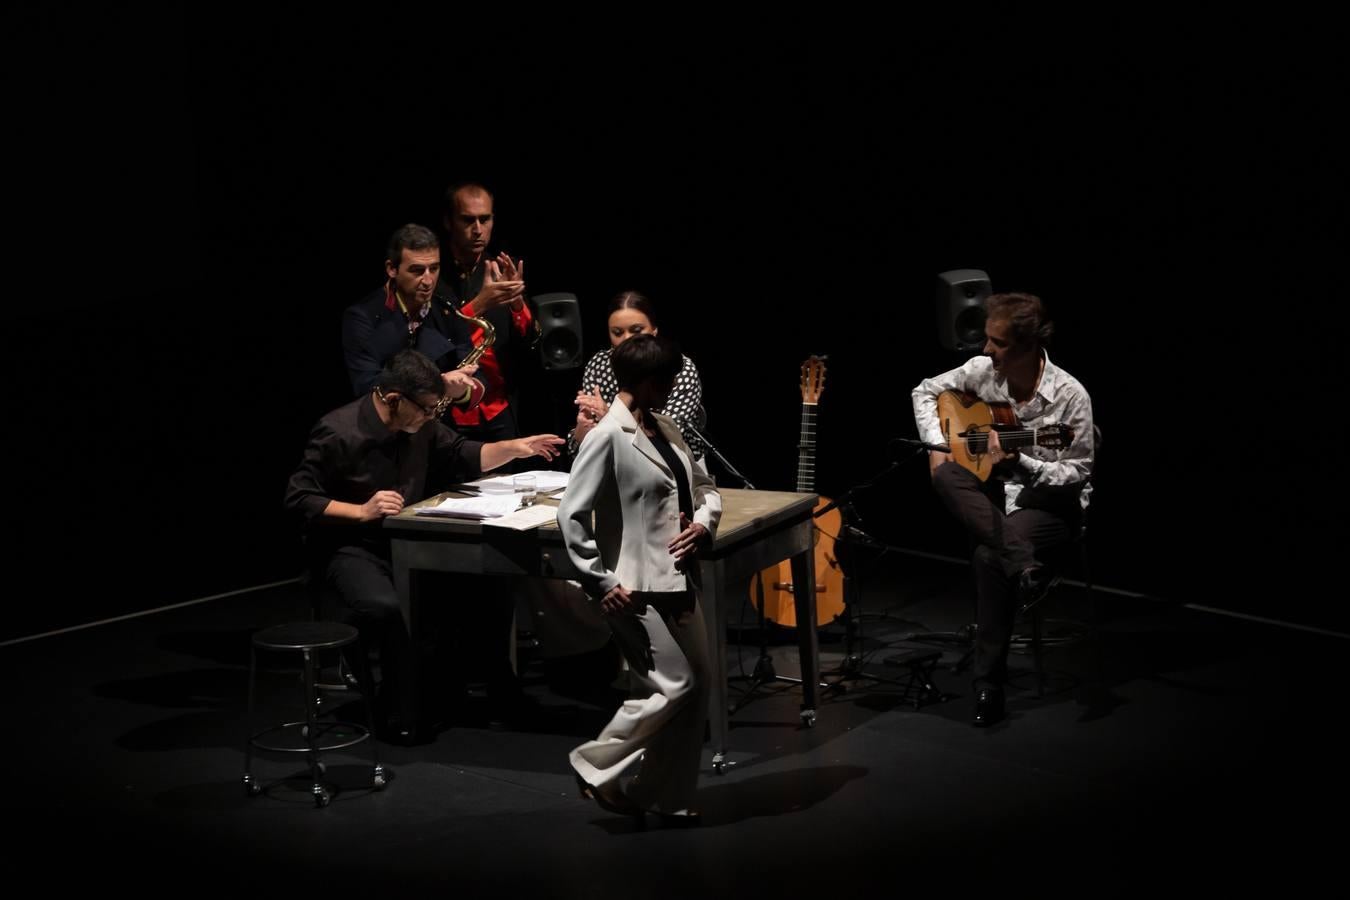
point(778, 598)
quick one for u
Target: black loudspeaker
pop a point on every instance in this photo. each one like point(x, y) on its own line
point(960, 309)
point(559, 330)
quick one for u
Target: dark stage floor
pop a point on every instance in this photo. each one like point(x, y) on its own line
point(1179, 746)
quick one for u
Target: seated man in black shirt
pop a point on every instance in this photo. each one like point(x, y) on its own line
point(363, 462)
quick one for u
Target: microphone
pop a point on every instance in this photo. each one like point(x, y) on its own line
point(921, 445)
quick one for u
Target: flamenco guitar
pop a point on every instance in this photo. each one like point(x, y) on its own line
point(967, 420)
point(778, 599)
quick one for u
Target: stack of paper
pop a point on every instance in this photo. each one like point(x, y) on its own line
point(545, 482)
point(486, 507)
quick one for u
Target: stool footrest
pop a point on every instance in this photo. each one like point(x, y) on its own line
point(312, 744)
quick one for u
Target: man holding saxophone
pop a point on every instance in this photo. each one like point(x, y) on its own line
point(402, 314)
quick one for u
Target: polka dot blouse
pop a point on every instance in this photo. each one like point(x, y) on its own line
point(682, 405)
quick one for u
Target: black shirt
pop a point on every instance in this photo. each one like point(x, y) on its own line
point(351, 455)
point(676, 466)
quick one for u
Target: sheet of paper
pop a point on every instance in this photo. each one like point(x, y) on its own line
point(526, 518)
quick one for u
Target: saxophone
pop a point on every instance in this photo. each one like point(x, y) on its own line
point(474, 396)
point(489, 335)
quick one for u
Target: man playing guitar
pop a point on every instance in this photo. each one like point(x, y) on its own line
point(1017, 477)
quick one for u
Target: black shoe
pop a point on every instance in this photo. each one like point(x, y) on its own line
point(1032, 586)
point(988, 706)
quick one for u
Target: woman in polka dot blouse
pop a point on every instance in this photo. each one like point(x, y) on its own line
point(631, 313)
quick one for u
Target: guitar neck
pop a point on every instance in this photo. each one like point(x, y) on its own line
point(806, 450)
point(1012, 439)
point(1021, 437)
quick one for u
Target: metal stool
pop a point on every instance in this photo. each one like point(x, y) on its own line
point(309, 638)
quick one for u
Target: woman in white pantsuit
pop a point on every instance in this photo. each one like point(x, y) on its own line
point(654, 507)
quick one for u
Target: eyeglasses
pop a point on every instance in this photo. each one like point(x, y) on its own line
point(431, 412)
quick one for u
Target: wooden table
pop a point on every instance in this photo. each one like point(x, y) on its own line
point(758, 529)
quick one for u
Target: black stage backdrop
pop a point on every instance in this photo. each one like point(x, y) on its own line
point(195, 207)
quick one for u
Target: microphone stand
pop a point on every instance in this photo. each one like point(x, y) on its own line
point(964, 636)
point(920, 664)
point(717, 455)
point(851, 533)
point(845, 499)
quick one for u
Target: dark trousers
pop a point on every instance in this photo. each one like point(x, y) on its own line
point(463, 625)
point(364, 585)
point(1005, 545)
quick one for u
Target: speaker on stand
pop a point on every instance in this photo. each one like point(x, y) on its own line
point(960, 309)
point(560, 355)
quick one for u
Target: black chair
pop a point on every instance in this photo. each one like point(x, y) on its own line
point(1061, 560)
point(1033, 613)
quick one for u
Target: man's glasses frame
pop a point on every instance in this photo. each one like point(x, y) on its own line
point(433, 412)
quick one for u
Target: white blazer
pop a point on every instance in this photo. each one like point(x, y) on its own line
point(621, 475)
